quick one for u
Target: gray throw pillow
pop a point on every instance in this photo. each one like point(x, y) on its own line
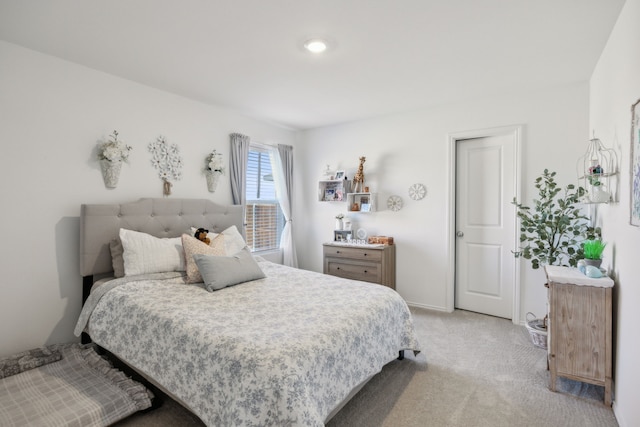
point(221, 271)
point(117, 260)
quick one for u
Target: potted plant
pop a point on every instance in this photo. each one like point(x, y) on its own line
point(553, 230)
point(593, 252)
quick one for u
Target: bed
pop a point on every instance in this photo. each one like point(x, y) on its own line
point(289, 348)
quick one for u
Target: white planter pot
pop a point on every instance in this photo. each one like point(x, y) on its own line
point(212, 180)
point(110, 173)
point(338, 224)
point(599, 194)
point(594, 262)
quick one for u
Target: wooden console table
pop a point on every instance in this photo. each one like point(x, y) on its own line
point(580, 323)
point(369, 263)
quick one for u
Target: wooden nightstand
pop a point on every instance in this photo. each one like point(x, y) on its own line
point(375, 264)
point(580, 323)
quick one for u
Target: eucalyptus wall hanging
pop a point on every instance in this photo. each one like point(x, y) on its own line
point(167, 160)
point(112, 154)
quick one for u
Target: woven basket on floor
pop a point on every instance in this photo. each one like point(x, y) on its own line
point(537, 330)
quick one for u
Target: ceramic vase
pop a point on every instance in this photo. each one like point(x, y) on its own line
point(599, 194)
point(110, 173)
point(212, 180)
point(338, 224)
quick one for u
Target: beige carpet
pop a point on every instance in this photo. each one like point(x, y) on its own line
point(474, 370)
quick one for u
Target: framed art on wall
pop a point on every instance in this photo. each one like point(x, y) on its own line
point(635, 164)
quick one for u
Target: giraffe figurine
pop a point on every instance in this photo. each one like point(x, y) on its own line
point(358, 179)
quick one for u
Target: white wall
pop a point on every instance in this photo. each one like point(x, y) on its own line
point(52, 114)
point(615, 86)
point(408, 148)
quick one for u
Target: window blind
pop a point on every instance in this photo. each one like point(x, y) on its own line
point(264, 218)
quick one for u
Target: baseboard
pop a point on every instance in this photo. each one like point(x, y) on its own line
point(428, 307)
point(614, 406)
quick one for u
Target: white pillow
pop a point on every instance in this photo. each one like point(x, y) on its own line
point(144, 253)
point(233, 240)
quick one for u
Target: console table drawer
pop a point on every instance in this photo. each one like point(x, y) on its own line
point(369, 264)
point(353, 253)
point(366, 272)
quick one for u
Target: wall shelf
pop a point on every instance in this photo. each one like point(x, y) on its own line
point(597, 170)
point(333, 190)
point(361, 202)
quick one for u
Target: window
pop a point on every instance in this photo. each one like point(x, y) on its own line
point(264, 217)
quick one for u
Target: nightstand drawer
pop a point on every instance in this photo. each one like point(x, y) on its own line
point(365, 272)
point(376, 265)
point(353, 253)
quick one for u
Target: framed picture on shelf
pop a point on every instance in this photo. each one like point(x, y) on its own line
point(339, 175)
point(329, 194)
point(365, 207)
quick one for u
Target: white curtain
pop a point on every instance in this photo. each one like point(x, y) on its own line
point(282, 161)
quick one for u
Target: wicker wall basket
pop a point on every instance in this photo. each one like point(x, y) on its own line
point(537, 330)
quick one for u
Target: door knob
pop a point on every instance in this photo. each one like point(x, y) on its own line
point(460, 234)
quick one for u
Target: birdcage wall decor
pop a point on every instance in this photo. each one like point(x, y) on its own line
point(596, 171)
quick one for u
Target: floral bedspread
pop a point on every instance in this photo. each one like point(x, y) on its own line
point(279, 351)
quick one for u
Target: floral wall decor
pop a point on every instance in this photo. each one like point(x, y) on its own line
point(167, 160)
point(213, 168)
point(112, 154)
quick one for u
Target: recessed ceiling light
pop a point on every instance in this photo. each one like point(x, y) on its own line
point(315, 45)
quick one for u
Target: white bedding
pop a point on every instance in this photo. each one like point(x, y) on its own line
point(284, 350)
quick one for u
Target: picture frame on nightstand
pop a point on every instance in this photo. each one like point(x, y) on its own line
point(341, 235)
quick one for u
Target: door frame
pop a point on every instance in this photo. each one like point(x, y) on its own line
point(452, 140)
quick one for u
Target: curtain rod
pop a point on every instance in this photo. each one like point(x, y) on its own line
point(263, 145)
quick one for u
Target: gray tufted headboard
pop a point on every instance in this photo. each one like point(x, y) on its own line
point(99, 224)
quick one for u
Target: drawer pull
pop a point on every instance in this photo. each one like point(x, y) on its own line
point(365, 254)
point(366, 271)
point(337, 252)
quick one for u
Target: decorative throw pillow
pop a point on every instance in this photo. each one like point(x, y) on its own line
point(144, 253)
point(193, 246)
point(233, 242)
point(221, 271)
point(115, 246)
point(26, 360)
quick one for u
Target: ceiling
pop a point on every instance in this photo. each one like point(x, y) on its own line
point(386, 56)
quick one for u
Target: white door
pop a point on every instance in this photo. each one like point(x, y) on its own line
point(485, 224)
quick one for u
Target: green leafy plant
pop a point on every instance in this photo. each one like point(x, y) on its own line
point(593, 249)
point(553, 230)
